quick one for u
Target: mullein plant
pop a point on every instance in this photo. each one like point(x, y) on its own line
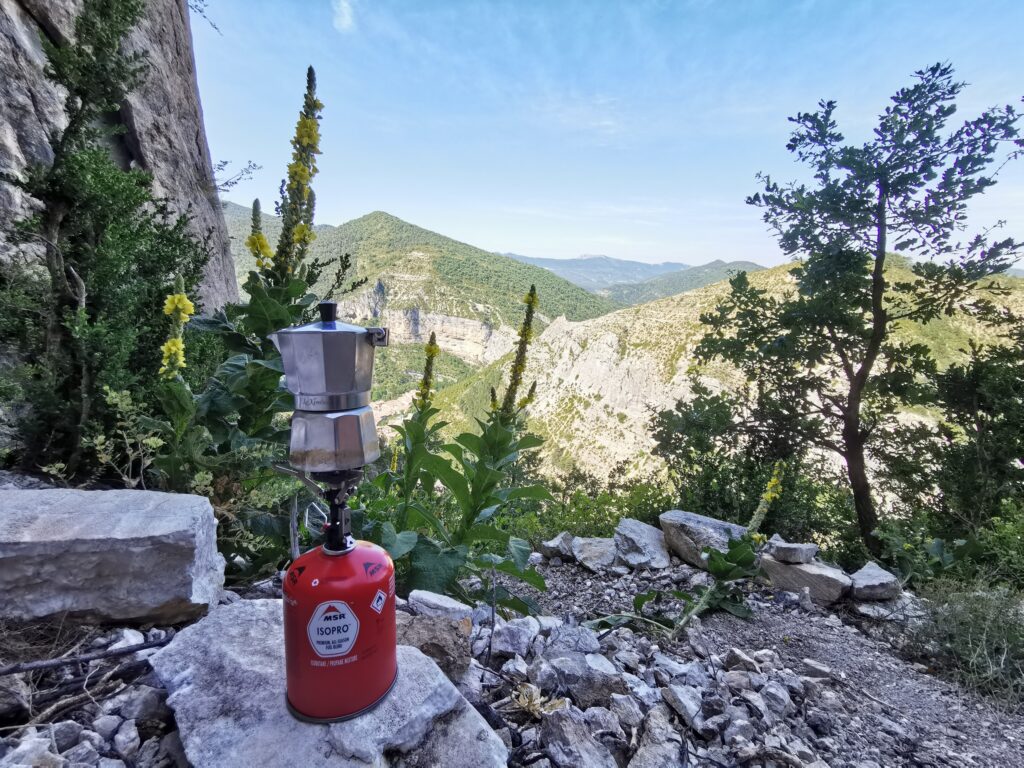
point(243, 400)
point(435, 511)
point(180, 309)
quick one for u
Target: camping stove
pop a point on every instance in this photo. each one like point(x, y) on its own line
point(339, 598)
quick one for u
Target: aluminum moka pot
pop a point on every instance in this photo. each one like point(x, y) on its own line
point(328, 367)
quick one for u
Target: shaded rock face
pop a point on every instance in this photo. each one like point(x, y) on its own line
point(163, 119)
point(444, 640)
point(225, 676)
point(687, 533)
point(139, 556)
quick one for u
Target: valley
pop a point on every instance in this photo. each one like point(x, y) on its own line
point(604, 362)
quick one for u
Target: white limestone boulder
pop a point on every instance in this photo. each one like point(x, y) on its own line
point(131, 556)
point(873, 582)
point(788, 552)
point(427, 603)
point(560, 546)
point(225, 676)
point(825, 583)
point(595, 554)
point(640, 545)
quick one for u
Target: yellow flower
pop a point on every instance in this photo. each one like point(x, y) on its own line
point(307, 133)
point(303, 233)
point(259, 246)
point(298, 175)
point(173, 357)
point(179, 305)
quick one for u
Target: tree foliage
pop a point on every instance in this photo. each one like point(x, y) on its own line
point(822, 362)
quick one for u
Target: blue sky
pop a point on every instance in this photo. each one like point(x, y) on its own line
point(632, 129)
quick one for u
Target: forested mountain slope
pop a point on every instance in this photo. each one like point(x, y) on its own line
point(420, 281)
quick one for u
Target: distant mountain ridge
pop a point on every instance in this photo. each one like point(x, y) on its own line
point(672, 283)
point(595, 272)
point(420, 281)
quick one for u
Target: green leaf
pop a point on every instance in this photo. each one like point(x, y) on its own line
point(420, 515)
point(433, 568)
point(451, 480)
point(177, 403)
point(397, 544)
point(528, 575)
point(481, 532)
point(535, 492)
point(519, 550)
point(639, 601)
point(527, 442)
point(738, 609)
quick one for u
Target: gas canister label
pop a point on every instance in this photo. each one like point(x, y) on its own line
point(333, 629)
point(378, 601)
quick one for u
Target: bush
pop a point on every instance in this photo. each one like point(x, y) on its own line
point(84, 317)
point(593, 511)
point(975, 635)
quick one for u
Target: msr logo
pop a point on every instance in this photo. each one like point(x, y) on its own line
point(372, 568)
point(333, 629)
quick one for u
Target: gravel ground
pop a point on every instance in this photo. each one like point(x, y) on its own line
point(935, 722)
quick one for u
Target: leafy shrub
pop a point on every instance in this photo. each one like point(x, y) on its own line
point(719, 468)
point(588, 512)
point(434, 537)
point(82, 316)
point(975, 634)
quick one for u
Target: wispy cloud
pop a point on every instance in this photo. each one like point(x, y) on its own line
point(598, 116)
point(344, 18)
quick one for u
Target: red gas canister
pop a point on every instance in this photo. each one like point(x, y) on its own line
point(339, 631)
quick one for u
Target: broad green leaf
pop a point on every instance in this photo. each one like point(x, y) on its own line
point(434, 568)
point(451, 480)
point(528, 575)
point(639, 601)
point(519, 550)
point(535, 492)
point(482, 532)
point(397, 544)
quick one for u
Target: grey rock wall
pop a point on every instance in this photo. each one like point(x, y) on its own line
point(163, 118)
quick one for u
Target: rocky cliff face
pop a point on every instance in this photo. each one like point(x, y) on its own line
point(600, 381)
point(163, 118)
point(474, 341)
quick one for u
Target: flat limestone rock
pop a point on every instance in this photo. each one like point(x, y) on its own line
point(687, 534)
point(788, 552)
point(432, 604)
point(640, 545)
point(595, 554)
point(225, 676)
point(138, 556)
point(560, 546)
point(825, 583)
point(873, 582)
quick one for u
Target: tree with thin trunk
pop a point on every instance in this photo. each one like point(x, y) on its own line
point(823, 362)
